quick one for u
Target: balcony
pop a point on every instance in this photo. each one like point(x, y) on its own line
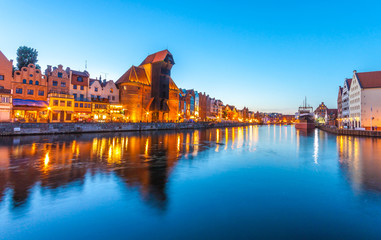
point(60, 95)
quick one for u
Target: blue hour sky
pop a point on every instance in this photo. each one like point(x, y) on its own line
point(266, 55)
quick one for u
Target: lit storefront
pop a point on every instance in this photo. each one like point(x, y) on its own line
point(61, 107)
point(118, 113)
point(100, 111)
point(82, 111)
point(30, 110)
point(5, 105)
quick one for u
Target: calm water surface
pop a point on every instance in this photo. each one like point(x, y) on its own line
point(269, 182)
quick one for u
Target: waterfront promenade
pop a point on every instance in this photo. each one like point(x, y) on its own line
point(351, 132)
point(13, 129)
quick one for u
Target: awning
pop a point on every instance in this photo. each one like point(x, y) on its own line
point(30, 103)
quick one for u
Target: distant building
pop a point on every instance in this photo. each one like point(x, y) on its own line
point(339, 105)
point(148, 91)
point(79, 87)
point(110, 91)
point(365, 100)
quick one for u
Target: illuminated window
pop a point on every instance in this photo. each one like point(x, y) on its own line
point(69, 103)
point(55, 102)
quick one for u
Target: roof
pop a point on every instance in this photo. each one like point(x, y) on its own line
point(349, 82)
point(92, 81)
point(82, 74)
point(369, 79)
point(172, 85)
point(156, 57)
point(134, 74)
point(4, 59)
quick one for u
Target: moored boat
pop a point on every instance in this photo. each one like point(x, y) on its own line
point(306, 119)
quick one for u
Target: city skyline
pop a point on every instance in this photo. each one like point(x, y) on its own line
point(256, 56)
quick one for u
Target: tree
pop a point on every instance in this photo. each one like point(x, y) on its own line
point(26, 56)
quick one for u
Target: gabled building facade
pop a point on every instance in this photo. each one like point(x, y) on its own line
point(365, 100)
point(340, 106)
point(29, 95)
point(345, 103)
point(148, 91)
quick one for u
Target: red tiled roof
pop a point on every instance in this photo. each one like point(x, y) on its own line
point(156, 57)
point(369, 79)
point(134, 74)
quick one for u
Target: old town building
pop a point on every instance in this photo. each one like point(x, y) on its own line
point(95, 89)
point(61, 103)
point(29, 95)
point(110, 91)
point(365, 101)
point(79, 86)
point(148, 91)
point(5, 88)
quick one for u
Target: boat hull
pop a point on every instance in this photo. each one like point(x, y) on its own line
point(305, 125)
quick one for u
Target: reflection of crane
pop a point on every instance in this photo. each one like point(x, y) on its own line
point(105, 75)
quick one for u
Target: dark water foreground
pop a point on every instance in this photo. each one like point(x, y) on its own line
point(269, 182)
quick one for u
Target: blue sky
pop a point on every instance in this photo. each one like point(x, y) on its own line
point(266, 55)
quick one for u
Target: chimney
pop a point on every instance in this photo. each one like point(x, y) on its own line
point(354, 71)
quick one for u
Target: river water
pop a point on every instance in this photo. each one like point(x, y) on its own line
point(266, 182)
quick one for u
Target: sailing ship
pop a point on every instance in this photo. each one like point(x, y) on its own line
point(306, 118)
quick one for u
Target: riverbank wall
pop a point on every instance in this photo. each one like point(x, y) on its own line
point(13, 129)
point(351, 132)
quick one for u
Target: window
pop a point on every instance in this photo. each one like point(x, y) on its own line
point(81, 105)
point(82, 87)
point(74, 86)
point(92, 96)
point(113, 98)
point(30, 92)
point(24, 81)
point(76, 105)
point(95, 89)
point(55, 116)
point(75, 96)
point(31, 75)
point(69, 103)
point(41, 93)
point(37, 83)
point(5, 100)
point(55, 83)
point(63, 84)
point(1, 77)
point(30, 81)
point(68, 116)
point(80, 79)
point(59, 75)
point(19, 90)
point(55, 102)
point(81, 97)
point(111, 90)
point(62, 103)
point(108, 97)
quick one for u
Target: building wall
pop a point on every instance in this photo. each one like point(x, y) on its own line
point(61, 107)
point(5, 72)
point(173, 104)
point(135, 97)
point(95, 90)
point(371, 98)
point(58, 80)
point(30, 78)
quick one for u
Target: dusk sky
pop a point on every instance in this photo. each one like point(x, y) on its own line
point(266, 55)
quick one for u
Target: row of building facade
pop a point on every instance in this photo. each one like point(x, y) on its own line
point(359, 101)
point(143, 93)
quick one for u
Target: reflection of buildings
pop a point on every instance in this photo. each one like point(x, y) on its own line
point(143, 161)
point(360, 161)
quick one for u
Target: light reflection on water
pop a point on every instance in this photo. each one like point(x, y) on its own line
point(260, 171)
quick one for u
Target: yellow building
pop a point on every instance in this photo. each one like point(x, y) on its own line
point(61, 107)
point(82, 111)
point(100, 111)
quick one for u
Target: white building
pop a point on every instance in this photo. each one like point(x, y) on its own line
point(365, 100)
point(110, 91)
point(345, 102)
point(95, 89)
